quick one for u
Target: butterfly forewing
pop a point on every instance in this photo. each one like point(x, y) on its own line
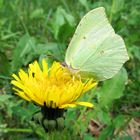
point(95, 48)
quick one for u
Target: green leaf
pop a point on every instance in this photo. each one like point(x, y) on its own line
point(113, 88)
point(4, 65)
point(51, 49)
point(119, 121)
point(106, 133)
point(135, 50)
point(4, 98)
point(104, 117)
point(118, 5)
point(38, 13)
point(25, 47)
point(22, 112)
point(84, 3)
point(60, 19)
point(1, 3)
point(88, 137)
point(124, 138)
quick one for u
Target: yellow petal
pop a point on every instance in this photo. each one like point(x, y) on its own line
point(89, 85)
point(68, 105)
point(45, 67)
point(16, 77)
point(87, 104)
point(17, 84)
point(22, 95)
point(23, 75)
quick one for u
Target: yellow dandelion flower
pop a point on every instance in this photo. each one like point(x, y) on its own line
point(53, 87)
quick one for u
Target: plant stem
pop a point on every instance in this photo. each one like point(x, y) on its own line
point(6, 130)
point(111, 12)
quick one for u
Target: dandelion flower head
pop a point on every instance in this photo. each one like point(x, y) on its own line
point(53, 87)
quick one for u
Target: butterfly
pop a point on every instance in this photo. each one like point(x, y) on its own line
point(95, 50)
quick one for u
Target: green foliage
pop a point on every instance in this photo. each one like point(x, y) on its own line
point(112, 89)
point(32, 30)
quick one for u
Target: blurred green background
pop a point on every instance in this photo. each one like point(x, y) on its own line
point(32, 30)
